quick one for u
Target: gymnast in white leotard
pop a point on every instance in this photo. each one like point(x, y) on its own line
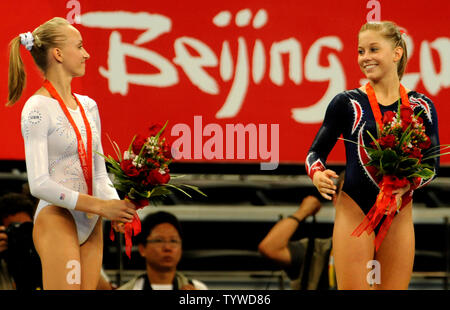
point(62, 134)
point(53, 165)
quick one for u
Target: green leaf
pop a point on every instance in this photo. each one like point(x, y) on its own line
point(195, 188)
point(354, 142)
point(162, 129)
point(161, 191)
point(374, 140)
point(375, 154)
point(405, 136)
point(434, 156)
point(177, 188)
point(425, 165)
point(424, 174)
point(131, 144)
point(173, 177)
point(408, 162)
point(115, 148)
point(378, 130)
point(389, 156)
point(418, 114)
point(102, 155)
point(140, 153)
point(438, 148)
point(388, 161)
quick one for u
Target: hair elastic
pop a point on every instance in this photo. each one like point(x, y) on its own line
point(27, 40)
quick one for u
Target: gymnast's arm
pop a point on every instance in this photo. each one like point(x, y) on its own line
point(325, 140)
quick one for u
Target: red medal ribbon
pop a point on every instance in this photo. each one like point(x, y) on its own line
point(374, 102)
point(85, 158)
point(386, 203)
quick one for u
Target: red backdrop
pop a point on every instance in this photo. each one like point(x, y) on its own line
point(249, 62)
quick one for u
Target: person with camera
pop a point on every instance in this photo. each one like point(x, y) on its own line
point(17, 254)
point(305, 261)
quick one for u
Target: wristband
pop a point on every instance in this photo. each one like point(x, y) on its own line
point(294, 218)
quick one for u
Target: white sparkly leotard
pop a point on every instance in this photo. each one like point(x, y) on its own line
point(53, 165)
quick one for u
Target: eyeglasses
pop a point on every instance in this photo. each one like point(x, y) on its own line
point(160, 242)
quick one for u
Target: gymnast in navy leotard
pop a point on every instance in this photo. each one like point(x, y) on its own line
point(382, 57)
point(350, 114)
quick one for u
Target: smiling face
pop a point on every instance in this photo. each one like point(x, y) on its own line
point(377, 58)
point(72, 55)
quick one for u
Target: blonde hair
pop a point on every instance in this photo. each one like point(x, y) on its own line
point(46, 36)
point(391, 32)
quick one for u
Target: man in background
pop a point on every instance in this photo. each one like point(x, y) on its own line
point(307, 268)
point(160, 243)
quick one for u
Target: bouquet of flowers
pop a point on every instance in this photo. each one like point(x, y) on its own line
point(398, 156)
point(142, 175)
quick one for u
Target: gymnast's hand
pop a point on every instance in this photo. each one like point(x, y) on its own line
point(399, 192)
point(118, 226)
point(324, 184)
point(118, 210)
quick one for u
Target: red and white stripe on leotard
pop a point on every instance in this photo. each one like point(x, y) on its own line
point(419, 102)
point(311, 168)
point(358, 113)
point(364, 158)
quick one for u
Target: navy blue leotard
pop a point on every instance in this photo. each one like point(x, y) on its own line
point(349, 114)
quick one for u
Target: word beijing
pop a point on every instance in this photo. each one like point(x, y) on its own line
point(246, 69)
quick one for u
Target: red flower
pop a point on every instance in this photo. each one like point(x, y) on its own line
point(155, 177)
point(139, 203)
point(388, 117)
point(416, 153)
point(128, 168)
point(420, 120)
point(387, 141)
point(154, 129)
point(138, 143)
point(405, 114)
point(154, 163)
point(425, 144)
point(406, 150)
point(167, 150)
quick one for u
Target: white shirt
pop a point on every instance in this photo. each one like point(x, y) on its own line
point(139, 285)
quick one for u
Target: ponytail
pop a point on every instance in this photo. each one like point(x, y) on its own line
point(17, 75)
point(43, 38)
point(401, 66)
